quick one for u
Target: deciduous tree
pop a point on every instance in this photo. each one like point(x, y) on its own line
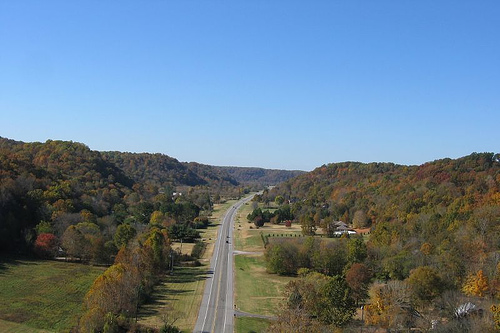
point(357, 277)
point(46, 245)
point(124, 233)
point(476, 284)
point(425, 283)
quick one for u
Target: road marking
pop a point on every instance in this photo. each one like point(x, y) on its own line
point(224, 231)
point(213, 278)
point(221, 249)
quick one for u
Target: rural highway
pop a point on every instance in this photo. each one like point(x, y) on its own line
point(217, 307)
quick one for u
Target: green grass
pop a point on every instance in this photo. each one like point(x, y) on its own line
point(251, 325)
point(43, 294)
point(11, 327)
point(253, 242)
point(257, 291)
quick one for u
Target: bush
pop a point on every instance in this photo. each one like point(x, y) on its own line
point(198, 249)
point(167, 328)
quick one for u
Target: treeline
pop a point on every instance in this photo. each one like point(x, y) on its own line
point(434, 242)
point(113, 301)
point(259, 176)
point(280, 215)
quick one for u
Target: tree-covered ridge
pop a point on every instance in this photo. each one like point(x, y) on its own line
point(162, 170)
point(57, 159)
point(212, 174)
point(431, 260)
point(49, 182)
point(247, 175)
point(452, 205)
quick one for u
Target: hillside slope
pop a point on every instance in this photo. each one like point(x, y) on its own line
point(162, 170)
point(451, 204)
point(260, 176)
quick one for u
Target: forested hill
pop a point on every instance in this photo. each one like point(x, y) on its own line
point(63, 183)
point(453, 205)
point(46, 181)
point(247, 175)
point(162, 170)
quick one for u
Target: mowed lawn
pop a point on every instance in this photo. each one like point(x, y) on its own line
point(44, 295)
point(251, 325)
point(257, 291)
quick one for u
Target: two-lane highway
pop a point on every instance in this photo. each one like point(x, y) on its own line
point(217, 308)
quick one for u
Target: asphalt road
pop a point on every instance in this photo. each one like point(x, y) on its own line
point(217, 307)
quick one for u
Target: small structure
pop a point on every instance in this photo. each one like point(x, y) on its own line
point(342, 228)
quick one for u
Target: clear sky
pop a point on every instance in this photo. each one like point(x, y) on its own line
point(277, 84)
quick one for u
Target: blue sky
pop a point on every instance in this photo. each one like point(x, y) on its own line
point(276, 84)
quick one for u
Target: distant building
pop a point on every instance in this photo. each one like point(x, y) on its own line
point(342, 228)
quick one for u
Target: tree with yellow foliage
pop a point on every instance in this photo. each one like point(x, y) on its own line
point(476, 284)
point(496, 315)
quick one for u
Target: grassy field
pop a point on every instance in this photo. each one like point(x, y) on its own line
point(42, 294)
point(11, 327)
point(248, 237)
point(250, 325)
point(257, 291)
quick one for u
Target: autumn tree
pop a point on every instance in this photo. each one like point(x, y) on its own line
point(495, 309)
point(296, 320)
point(476, 284)
point(44, 227)
point(74, 242)
point(281, 258)
point(46, 245)
point(124, 233)
point(389, 305)
point(307, 224)
point(425, 283)
point(326, 298)
point(360, 220)
point(357, 277)
point(113, 292)
point(329, 258)
point(157, 218)
point(336, 303)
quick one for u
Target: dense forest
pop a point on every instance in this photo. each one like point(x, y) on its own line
point(162, 170)
point(259, 176)
point(57, 184)
point(432, 254)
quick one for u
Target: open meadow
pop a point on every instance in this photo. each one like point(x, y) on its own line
point(38, 295)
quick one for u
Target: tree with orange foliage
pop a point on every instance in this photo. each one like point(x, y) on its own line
point(476, 284)
point(46, 245)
